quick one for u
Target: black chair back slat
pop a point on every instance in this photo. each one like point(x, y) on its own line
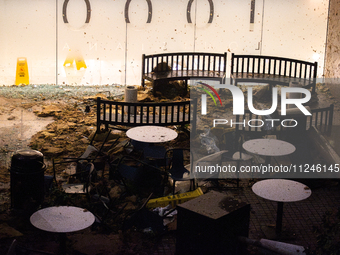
point(154, 114)
point(178, 113)
point(274, 66)
point(208, 63)
point(237, 65)
point(160, 114)
point(269, 65)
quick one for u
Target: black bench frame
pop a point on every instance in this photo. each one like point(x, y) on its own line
point(272, 70)
point(184, 66)
point(140, 114)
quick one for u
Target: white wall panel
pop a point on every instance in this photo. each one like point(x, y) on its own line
point(27, 30)
point(230, 29)
point(100, 42)
point(112, 49)
point(168, 31)
point(296, 29)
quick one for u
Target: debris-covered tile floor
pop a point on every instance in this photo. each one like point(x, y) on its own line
point(63, 116)
point(304, 222)
point(299, 218)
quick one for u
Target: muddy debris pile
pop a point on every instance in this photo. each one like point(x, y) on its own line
point(74, 127)
point(68, 134)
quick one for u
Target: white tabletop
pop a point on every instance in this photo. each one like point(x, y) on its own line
point(281, 190)
point(151, 134)
point(269, 147)
point(62, 219)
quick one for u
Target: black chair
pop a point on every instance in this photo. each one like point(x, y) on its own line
point(218, 158)
point(90, 155)
point(79, 182)
point(176, 167)
point(138, 176)
point(232, 145)
point(149, 151)
point(87, 182)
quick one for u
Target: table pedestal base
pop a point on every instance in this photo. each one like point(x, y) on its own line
point(275, 232)
point(62, 244)
point(279, 218)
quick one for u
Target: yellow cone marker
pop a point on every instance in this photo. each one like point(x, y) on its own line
point(22, 72)
point(75, 57)
point(69, 59)
point(80, 62)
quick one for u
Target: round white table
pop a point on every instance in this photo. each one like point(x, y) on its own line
point(151, 134)
point(281, 190)
point(269, 148)
point(62, 220)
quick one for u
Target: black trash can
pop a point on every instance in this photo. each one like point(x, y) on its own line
point(27, 179)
